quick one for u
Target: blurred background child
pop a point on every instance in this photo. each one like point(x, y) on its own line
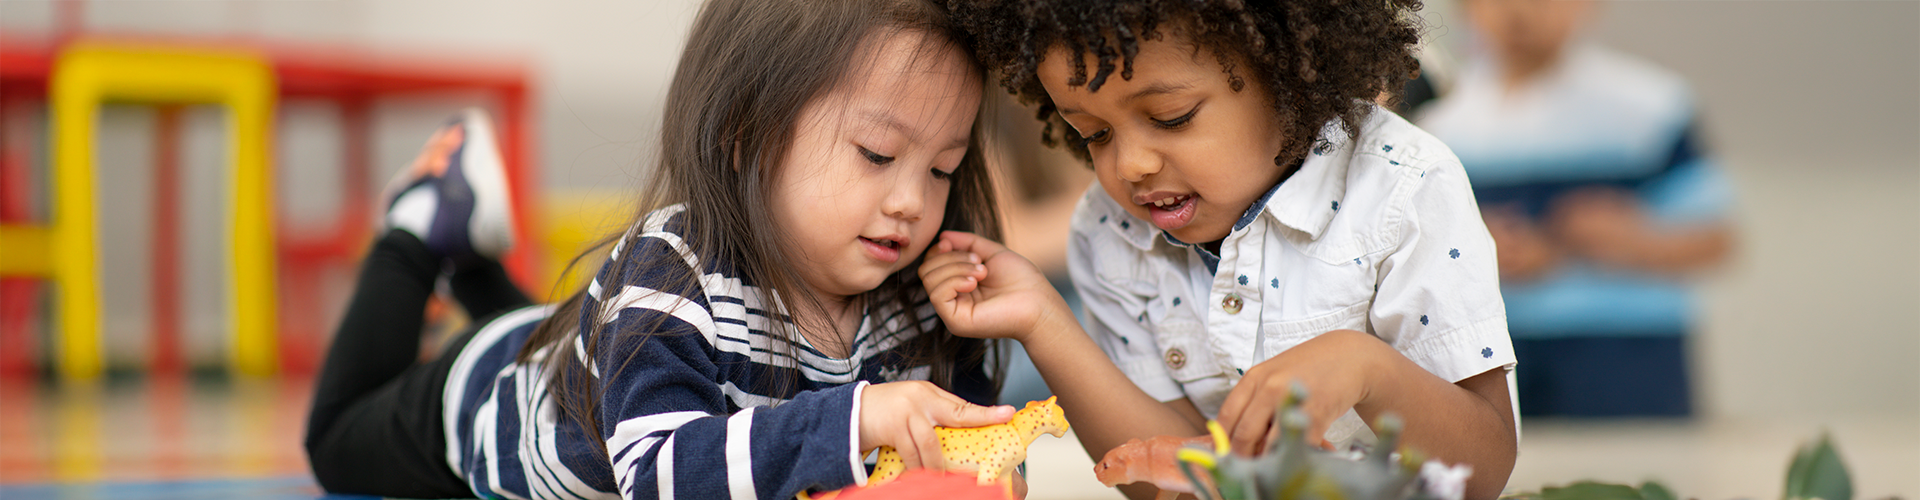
point(1602, 200)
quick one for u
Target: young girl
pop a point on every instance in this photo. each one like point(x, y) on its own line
point(812, 152)
point(1258, 223)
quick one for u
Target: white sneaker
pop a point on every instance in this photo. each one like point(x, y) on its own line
point(454, 197)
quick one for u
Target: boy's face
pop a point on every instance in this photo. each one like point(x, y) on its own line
point(1526, 34)
point(1175, 145)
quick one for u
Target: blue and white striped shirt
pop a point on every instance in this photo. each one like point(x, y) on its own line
point(685, 410)
point(1597, 118)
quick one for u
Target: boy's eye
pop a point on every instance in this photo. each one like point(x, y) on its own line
point(1099, 136)
point(876, 158)
point(1177, 121)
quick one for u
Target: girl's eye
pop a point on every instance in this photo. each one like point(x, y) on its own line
point(875, 158)
point(1178, 121)
point(1099, 137)
point(939, 174)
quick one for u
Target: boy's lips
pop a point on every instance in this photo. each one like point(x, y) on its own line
point(1169, 211)
point(885, 248)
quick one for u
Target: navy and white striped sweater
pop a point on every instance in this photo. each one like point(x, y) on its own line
point(684, 389)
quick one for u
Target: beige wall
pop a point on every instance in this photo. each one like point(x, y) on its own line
point(1814, 108)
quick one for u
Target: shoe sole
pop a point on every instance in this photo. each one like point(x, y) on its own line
point(490, 227)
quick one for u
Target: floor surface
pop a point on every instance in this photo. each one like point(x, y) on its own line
point(211, 438)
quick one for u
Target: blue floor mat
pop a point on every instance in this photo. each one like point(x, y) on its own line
point(281, 488)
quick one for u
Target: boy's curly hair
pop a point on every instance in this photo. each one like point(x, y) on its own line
point(1317, 59)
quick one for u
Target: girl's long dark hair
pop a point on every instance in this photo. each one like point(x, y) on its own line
point(749, 68)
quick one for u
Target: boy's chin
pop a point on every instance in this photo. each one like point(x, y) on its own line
point(1197, 233)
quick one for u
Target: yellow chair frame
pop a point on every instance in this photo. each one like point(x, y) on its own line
point(88, 74)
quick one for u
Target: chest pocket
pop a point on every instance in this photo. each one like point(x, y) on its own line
point(1278, 336)
point(1187, 351)
point(1184, 346)
point(1319, 279)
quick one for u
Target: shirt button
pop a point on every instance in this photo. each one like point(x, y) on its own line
point(1231, 304)
point(1176, 358)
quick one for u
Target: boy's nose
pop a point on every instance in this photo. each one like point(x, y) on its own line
point(1133, 162)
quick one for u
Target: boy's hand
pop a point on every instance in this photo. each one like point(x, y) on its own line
point(983, 290)
point(1335, 369)
point(902, 415)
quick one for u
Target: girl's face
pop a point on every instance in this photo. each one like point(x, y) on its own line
point(864, 187)
point(1175, 145)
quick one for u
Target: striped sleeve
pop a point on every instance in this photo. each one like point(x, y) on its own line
point(665, 417)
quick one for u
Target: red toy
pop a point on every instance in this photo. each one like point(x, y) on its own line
point(920, 484)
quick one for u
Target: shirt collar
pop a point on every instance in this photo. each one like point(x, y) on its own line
point(1136, 232)
point(1206, 257)
point(1253, 212)
point(1308, 200)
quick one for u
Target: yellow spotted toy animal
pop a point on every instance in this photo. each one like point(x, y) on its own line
point(993, 450)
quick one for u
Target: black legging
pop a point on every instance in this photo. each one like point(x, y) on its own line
point(375, 427)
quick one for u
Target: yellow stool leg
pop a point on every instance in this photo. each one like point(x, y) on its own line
point(255, 289)
point(75, 245)
point(88, 73)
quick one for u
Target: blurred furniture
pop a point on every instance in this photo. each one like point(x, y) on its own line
point(268, 266)
point(85, 75)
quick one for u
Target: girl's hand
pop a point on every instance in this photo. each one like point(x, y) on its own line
point(1335, 369)
point(902, 415)
point(983, 290)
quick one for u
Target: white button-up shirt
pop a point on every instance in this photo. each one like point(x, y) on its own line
point(1379, 235)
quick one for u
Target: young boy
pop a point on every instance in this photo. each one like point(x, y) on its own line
point(1258, 222)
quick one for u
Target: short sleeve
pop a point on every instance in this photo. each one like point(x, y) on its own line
point(1438, 301)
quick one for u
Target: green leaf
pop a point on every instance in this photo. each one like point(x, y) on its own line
point(1588, 490)
point(1655, 491)
point(1817, 472)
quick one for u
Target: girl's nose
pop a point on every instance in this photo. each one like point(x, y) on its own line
point(907, 200)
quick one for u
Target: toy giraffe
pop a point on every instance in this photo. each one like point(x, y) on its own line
point(993, 450)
